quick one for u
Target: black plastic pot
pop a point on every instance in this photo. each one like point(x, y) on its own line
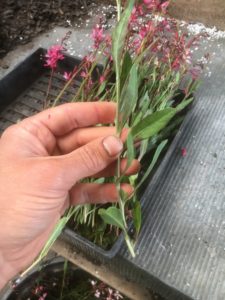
point(46, 282)
point(29, 81)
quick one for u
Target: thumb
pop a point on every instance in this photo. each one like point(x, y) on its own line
point(90, 159)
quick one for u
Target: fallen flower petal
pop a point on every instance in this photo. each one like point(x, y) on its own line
point(184, 152)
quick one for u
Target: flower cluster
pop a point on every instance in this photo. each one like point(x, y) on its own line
point(97, 35)
point(157, 5)
point(104, 292)
point(39, 292)
point(53, 55)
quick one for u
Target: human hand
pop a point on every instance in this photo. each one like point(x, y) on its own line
point(41, 160)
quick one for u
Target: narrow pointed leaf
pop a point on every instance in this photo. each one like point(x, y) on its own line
point(155, 122)
point(126, 67)
point(119, 34)
point(137, 216)
point(153, 163)
point(183, 104)
point(130, 149)
point(129, 96)
point(54, 236)
point(143, 149)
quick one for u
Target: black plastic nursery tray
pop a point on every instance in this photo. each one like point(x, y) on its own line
point(181, 247)
point(23, 91)
point(22, 94)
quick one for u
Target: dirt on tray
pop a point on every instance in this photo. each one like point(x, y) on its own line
point(22, 20)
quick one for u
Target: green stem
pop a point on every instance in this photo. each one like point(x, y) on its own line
point(118, 3)
point(118, 127)
point(65, 267)
point(117, 101)
point(80, 90)
point(49, 88)
point(66, 86)
point(129, 245)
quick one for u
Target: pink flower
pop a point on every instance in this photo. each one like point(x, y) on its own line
point(164, 25)
point(151, 4)
point(136, 13)
point(164, 6)
point(184, 152)
point(146, 29)
point(156, 5)
point(43, 296)
point(195, 72)
point(97, 294)
point(133, 17)
point(53, 56)
point(67, 76)
point(97, 35)
point(143, 32)
point(108, 40)
point(101, 79)
point(38, 289)
point(176, 64)
point(84, 74)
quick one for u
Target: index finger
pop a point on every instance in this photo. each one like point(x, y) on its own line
point(62, 119)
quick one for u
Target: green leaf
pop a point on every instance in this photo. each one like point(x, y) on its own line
point(155, 122)
point(101, 89)
point(132, 179)
point(112, 216)
point(183, 104)
point(119, 34)
point(177, 78)
point(137, 216)
point(130, 149)
point(129, 96)
point(142, 110)
point(53, 237)
point(143, 149)
point(153, 163)
point(126, 67)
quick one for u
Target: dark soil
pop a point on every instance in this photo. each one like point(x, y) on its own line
point(22, 20)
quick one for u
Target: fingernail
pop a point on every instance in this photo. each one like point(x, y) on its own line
point(112, 145)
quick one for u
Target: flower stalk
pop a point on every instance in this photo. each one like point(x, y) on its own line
point(118, 3)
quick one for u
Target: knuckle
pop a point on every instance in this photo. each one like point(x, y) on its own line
point(92, 159)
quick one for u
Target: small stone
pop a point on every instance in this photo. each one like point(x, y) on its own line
point(5, 66)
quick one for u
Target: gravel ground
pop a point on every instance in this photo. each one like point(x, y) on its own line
point(22, 20)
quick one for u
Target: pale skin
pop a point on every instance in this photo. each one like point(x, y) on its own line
point(42, 159)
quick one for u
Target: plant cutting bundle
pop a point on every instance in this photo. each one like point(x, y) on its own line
point(145, 63)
